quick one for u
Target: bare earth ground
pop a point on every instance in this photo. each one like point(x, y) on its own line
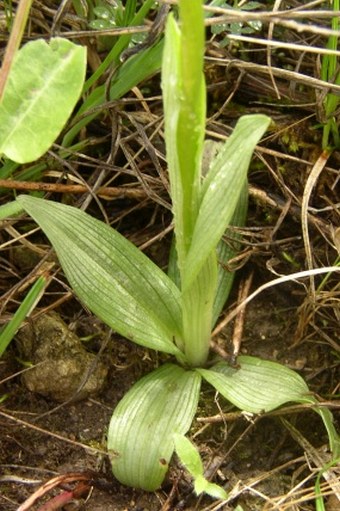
point(47, 428)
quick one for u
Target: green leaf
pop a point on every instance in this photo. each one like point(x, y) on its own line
point(257, 385)
point(44, 85)
point(327, 418)
point(226, 250)
point(184, 118)
point(190, 458)
point(112, 58)
point(10, 209)
point(184, 115)
point(188, 455)
point(197, 309)
point(140, 436)
point(200, 484)
point(171, 104)
point(221, 191)
point(215, 491)
point(25, 308)
point(110, 275)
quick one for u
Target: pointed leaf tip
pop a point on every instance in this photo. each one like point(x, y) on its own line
point(221, 191)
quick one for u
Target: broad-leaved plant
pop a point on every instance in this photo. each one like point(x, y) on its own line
point(174, 313)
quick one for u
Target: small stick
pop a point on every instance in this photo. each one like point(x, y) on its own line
point(14, 41)
point(109, 192)
point(238, 328)
point(310, 183)
point(275, 282)
point(85, 477)
point(239, 320)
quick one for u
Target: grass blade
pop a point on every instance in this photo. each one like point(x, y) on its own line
point(123, 42)
point(25, 308)
point(132, 72)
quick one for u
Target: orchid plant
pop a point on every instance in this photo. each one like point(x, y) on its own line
point(174, 313)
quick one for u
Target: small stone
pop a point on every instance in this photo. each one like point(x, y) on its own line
point(60, 359)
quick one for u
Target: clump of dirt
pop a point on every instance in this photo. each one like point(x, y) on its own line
point(61, 367)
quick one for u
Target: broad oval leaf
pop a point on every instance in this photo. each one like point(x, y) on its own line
point(140, 436)
point(257, 385)
point(42, 89)
point(221, 192)
point(114, 279)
